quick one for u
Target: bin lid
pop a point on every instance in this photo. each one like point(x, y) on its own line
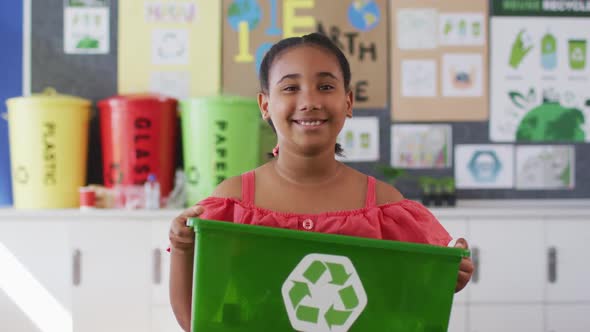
point(221, 100)
point(49, 96)
point(136, 100)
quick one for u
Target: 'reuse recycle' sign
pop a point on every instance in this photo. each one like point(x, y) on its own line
point(323, 294)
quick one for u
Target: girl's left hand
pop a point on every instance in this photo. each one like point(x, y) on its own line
point(465, 269)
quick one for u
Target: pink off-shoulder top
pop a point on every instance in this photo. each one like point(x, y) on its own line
point(405, 220)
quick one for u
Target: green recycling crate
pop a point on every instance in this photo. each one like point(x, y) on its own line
point(254, 278)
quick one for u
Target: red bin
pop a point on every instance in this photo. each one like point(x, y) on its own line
point(138, 135)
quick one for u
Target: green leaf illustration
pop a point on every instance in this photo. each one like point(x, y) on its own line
point(518, 51)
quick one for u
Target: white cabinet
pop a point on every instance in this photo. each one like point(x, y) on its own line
point(510, 260)
point(567, 318)
point(568, 267)
point(162, 319)
point(458, 320)
point(112, 290)
point(506, 318)
point(64, 271)
point(35, 276)
point(160, 262)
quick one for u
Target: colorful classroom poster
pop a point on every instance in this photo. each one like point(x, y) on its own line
point(421, 146)
point(86, 26)
point(539, 85)
point(358, 27)
point(172, 47)
point(545, 167)
point(484, 166)
point(438, 59)
point(360, 139)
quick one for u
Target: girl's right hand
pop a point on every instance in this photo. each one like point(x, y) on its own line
point(182, 237)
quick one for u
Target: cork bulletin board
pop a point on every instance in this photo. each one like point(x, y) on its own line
point(439, 65)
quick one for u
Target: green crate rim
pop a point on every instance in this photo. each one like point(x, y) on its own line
point(202, 224)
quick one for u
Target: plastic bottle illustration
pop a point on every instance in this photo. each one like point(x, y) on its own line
point(548, 51)
point(476, 29)
point(152, 192)
point(462, 27)
point(365, 140)
point(349, 139)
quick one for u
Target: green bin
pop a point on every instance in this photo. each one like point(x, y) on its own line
point(221, 138)
point(253, 278)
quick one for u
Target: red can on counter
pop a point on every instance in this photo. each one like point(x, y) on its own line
point(87, 198)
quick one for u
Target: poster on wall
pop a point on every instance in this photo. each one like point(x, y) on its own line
point(545, 167)
point(421, 146)
point(539, 85)
point(359, 139)
point(170, 47)
point(488, 166)
point(358, 27)
point(438, 60)
point(86, 26)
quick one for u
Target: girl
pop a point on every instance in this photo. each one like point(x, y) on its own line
point(305, 96)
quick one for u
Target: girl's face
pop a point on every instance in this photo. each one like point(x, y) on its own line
point(306, 99)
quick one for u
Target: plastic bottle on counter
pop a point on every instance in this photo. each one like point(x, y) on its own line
point(152, 192)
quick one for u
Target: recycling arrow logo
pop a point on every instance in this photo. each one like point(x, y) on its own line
point(323, 294)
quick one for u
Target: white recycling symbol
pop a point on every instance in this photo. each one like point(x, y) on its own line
point(323, 294)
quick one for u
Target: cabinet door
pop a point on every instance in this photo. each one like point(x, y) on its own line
point(506, 318)
point(35, 276)
point(112, 289)
point(568, 271)
point(163, 320)
point(510, 260)
point(458, 228)
point(458, 321)
point(567, 318)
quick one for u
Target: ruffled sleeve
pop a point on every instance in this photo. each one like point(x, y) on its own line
point(410, 221)
point(218, 208)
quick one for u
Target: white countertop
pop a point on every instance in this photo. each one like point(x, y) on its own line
point(464, 208)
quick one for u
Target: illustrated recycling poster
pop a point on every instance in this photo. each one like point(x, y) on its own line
point(439, 65)
point(539, 84)
point(415, 146)
point(172, 47)
point(358, 27)
point(545, 167)
point(86, 26)
point(488, 166)
point(360, 139)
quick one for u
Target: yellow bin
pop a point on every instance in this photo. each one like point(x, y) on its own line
point(48, 136)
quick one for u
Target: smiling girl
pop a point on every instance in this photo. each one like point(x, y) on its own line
point(305, 97)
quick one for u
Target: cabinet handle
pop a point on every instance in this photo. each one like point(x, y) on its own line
point(157, 271)
point(77, 267)
point(552, 265)
point(475, 258)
